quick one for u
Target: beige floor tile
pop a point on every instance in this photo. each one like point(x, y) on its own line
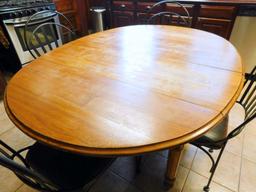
point(250, 129)
point(188, 155)
point(248, 176)
point(235, 145)
point(2, 110)
point(249, 149)
point(196, 182)
point(236, 115)
point(16, 139)
point(227, 173)
point(182, 174)
point(5, 123)
point(25, 188)
point(8, 181)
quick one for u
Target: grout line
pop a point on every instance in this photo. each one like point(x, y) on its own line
point(248, 159)
point(19, 187)
point(213, 181)
point(241, 162)
point(126, 181)
point(183, 186)
point(8, 130)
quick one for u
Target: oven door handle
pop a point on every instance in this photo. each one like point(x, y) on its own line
point(36, 21)
point(23, 24)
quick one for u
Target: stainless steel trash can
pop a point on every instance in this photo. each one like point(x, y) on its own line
point(97, 17)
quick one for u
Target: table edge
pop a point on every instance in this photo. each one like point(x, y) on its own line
point(122, 151)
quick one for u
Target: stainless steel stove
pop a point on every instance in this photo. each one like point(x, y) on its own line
point(19, 8)
point(13, 17)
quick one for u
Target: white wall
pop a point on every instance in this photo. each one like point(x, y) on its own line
point(244, 39)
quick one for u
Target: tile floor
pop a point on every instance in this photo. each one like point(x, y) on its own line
point(236, 172)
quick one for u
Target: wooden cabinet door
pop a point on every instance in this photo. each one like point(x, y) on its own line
point(220, 27)
point(122, 18)
point(76, 12)
point(142, 18)
point(2, 84)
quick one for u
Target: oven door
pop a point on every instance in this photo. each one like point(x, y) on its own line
point(16, 33)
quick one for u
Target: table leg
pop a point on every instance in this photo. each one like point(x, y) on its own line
point(172, 165)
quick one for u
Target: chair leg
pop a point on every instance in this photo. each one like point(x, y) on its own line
point(213, 169)
point(208, 154)
point(138, 160)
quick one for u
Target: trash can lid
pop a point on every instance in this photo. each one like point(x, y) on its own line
point(98, 9)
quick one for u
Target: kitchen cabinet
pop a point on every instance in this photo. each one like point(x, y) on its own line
point(76, 11)
point(123, 13)
point(218, 19)
point(122, 18)
point(220, 27)
point(2, 84)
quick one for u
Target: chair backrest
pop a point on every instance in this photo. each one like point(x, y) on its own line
point(248, 101)
point(22, 170)
point(169, 12)
point(248, 97)
point(47, 35)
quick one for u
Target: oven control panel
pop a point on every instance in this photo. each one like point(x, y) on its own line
point(22, 20)
point(24, 11)
point(22, 2)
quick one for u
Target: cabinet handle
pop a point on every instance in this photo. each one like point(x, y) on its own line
point(123, 6)
point(148, 7)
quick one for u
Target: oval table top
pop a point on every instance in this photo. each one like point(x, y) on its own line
point(127, 90)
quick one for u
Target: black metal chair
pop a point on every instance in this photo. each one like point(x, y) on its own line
point(217, 138)
point(47, 33)
point(169, 12)
point(50, 170)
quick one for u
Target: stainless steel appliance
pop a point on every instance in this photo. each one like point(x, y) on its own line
point(13, 17)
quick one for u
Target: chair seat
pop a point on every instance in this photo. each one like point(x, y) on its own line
point(217, 133)
point(66, 170)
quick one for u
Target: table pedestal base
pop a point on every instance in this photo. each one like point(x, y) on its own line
point(172, 165)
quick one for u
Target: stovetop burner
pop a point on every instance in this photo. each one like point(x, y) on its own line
point(10, 5)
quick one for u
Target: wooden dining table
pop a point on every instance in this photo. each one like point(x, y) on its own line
point(127, 91)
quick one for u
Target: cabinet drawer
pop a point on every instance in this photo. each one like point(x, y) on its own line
point(123, 5)
point(178, 9)
point(221, 27)
point(222, 12)
point(122, 18)
point(145, 7)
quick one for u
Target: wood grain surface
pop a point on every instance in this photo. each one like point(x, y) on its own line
point(127, 90)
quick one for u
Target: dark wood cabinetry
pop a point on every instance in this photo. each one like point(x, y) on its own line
point(2, 84)
point(216, 16)
point(217, 19)
point(76, 11)
point(122, 18)
point(220, 27)
point(123, 13)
